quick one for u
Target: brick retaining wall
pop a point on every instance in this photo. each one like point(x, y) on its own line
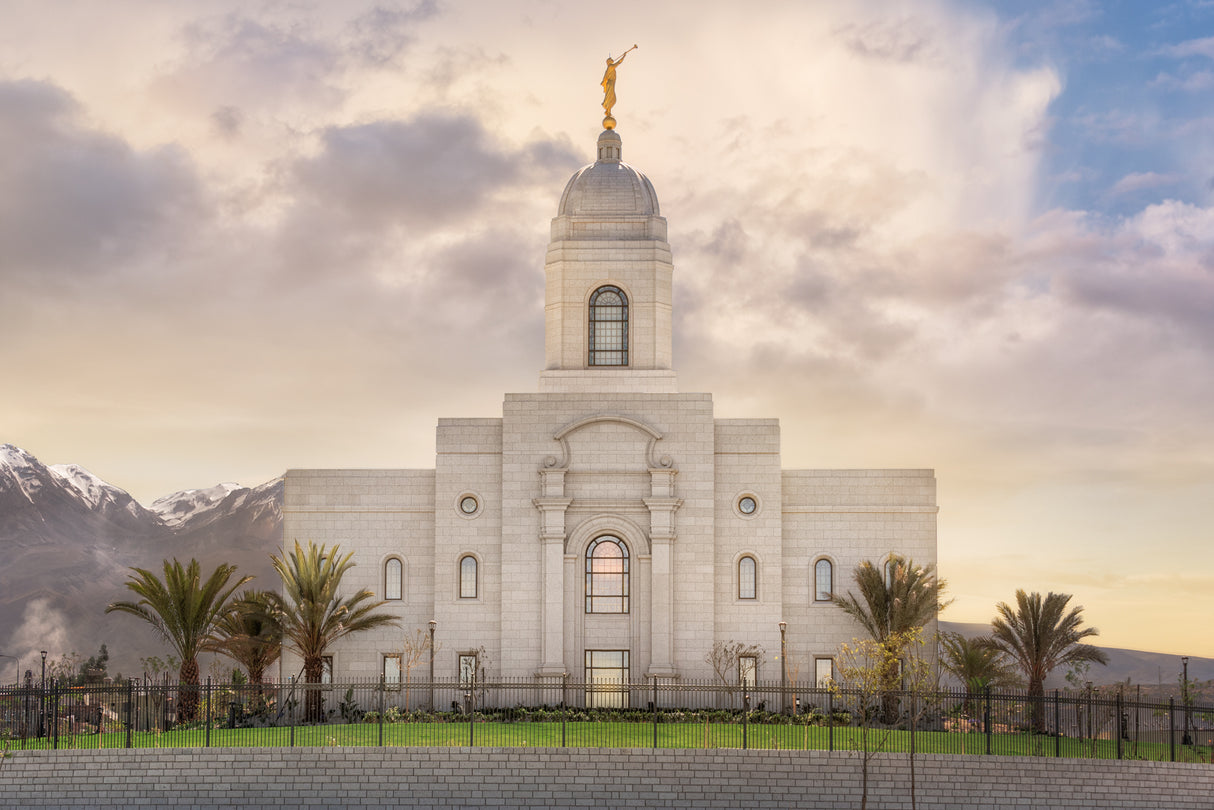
point(568, 778)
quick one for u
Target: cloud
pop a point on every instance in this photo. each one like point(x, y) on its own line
point(1191, 47)
point(421, 171)
point(383, 33)
point(1198, 81)
point(227, 120)
point(906, 40)
point(1138, 181)
point(238, 60)
point(78, 201)
point(386, 199)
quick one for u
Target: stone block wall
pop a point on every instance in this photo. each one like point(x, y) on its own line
point(567, 778)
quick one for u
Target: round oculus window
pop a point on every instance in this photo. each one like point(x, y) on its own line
point(468, 505)
point(747, 505)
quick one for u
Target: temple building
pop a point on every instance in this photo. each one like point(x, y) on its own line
point(607, 525)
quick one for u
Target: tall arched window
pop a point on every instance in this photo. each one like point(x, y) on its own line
point(607, 576)
point(467, 577)
point(394, 579)
point(748, 578)
point(608, 327)
point(824, 580)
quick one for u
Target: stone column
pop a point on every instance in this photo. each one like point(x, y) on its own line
point(662, 506)
point(552, 508)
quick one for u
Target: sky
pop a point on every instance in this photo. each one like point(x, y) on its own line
point(239, 237)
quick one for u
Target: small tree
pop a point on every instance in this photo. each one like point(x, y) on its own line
point(65, 669)
point(724, 657)
point(863, 667)
point(416, 645)
point(919, 679)
point(93, 670)
point(792, 669)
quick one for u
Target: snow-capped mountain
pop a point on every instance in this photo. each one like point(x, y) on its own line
point(95, 492)
point(101, 497)
point(69, 540)
point(179, 507)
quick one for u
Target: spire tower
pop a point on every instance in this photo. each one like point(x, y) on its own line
point(608, 294)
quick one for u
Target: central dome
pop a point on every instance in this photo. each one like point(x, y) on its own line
point(608, 186)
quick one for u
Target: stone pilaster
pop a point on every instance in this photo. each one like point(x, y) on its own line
point(552, 578)
point(662, 537)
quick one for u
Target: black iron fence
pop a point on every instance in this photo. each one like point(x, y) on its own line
point(565, 713)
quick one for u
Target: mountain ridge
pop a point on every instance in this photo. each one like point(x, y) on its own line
point(71, 538)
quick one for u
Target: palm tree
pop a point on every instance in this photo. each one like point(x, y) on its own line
point(893, 603)
point(975, 663)
point(904, 597)
point(1039, 635)
point(314, 615)
point(185, 611)
point(250, 635)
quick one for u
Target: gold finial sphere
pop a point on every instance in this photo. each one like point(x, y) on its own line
point(609, 123)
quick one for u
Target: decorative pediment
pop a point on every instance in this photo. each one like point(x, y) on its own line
point(652, 460)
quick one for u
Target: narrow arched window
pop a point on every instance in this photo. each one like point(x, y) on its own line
point(608, 327)
point(824, 580)
point(747, 578)
point(607, 576)
point(467, 577)
point(394, 579)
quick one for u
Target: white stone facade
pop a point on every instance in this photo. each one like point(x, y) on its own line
point(609, 450)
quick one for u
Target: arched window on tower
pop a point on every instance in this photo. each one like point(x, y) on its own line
point(393, 579)
point(608, 327)
point(824, 580)
point(748, 587)
point(607, 576)
point(467, 577)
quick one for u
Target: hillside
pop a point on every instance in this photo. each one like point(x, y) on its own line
point(70, 539)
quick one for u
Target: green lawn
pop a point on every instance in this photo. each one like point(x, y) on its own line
point(622, 735)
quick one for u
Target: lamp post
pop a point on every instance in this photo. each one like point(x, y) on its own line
point(1184, 695)
point(783, 668)
point(433, 624)
point(42, 697)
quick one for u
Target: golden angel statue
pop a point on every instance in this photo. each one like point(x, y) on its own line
point(608, 85)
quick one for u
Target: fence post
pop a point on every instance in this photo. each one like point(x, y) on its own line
point(986, 718)
point(914, 716)
point(1057, 727)
point(655, 712)
point(564, 686)
point(830, 719)
point(208, 735)
point(1172, 726)
point(291, 712)
point(130, 712)
point(55, 711)
point(382, 685)
point(1118, 724)
point(745, 716)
